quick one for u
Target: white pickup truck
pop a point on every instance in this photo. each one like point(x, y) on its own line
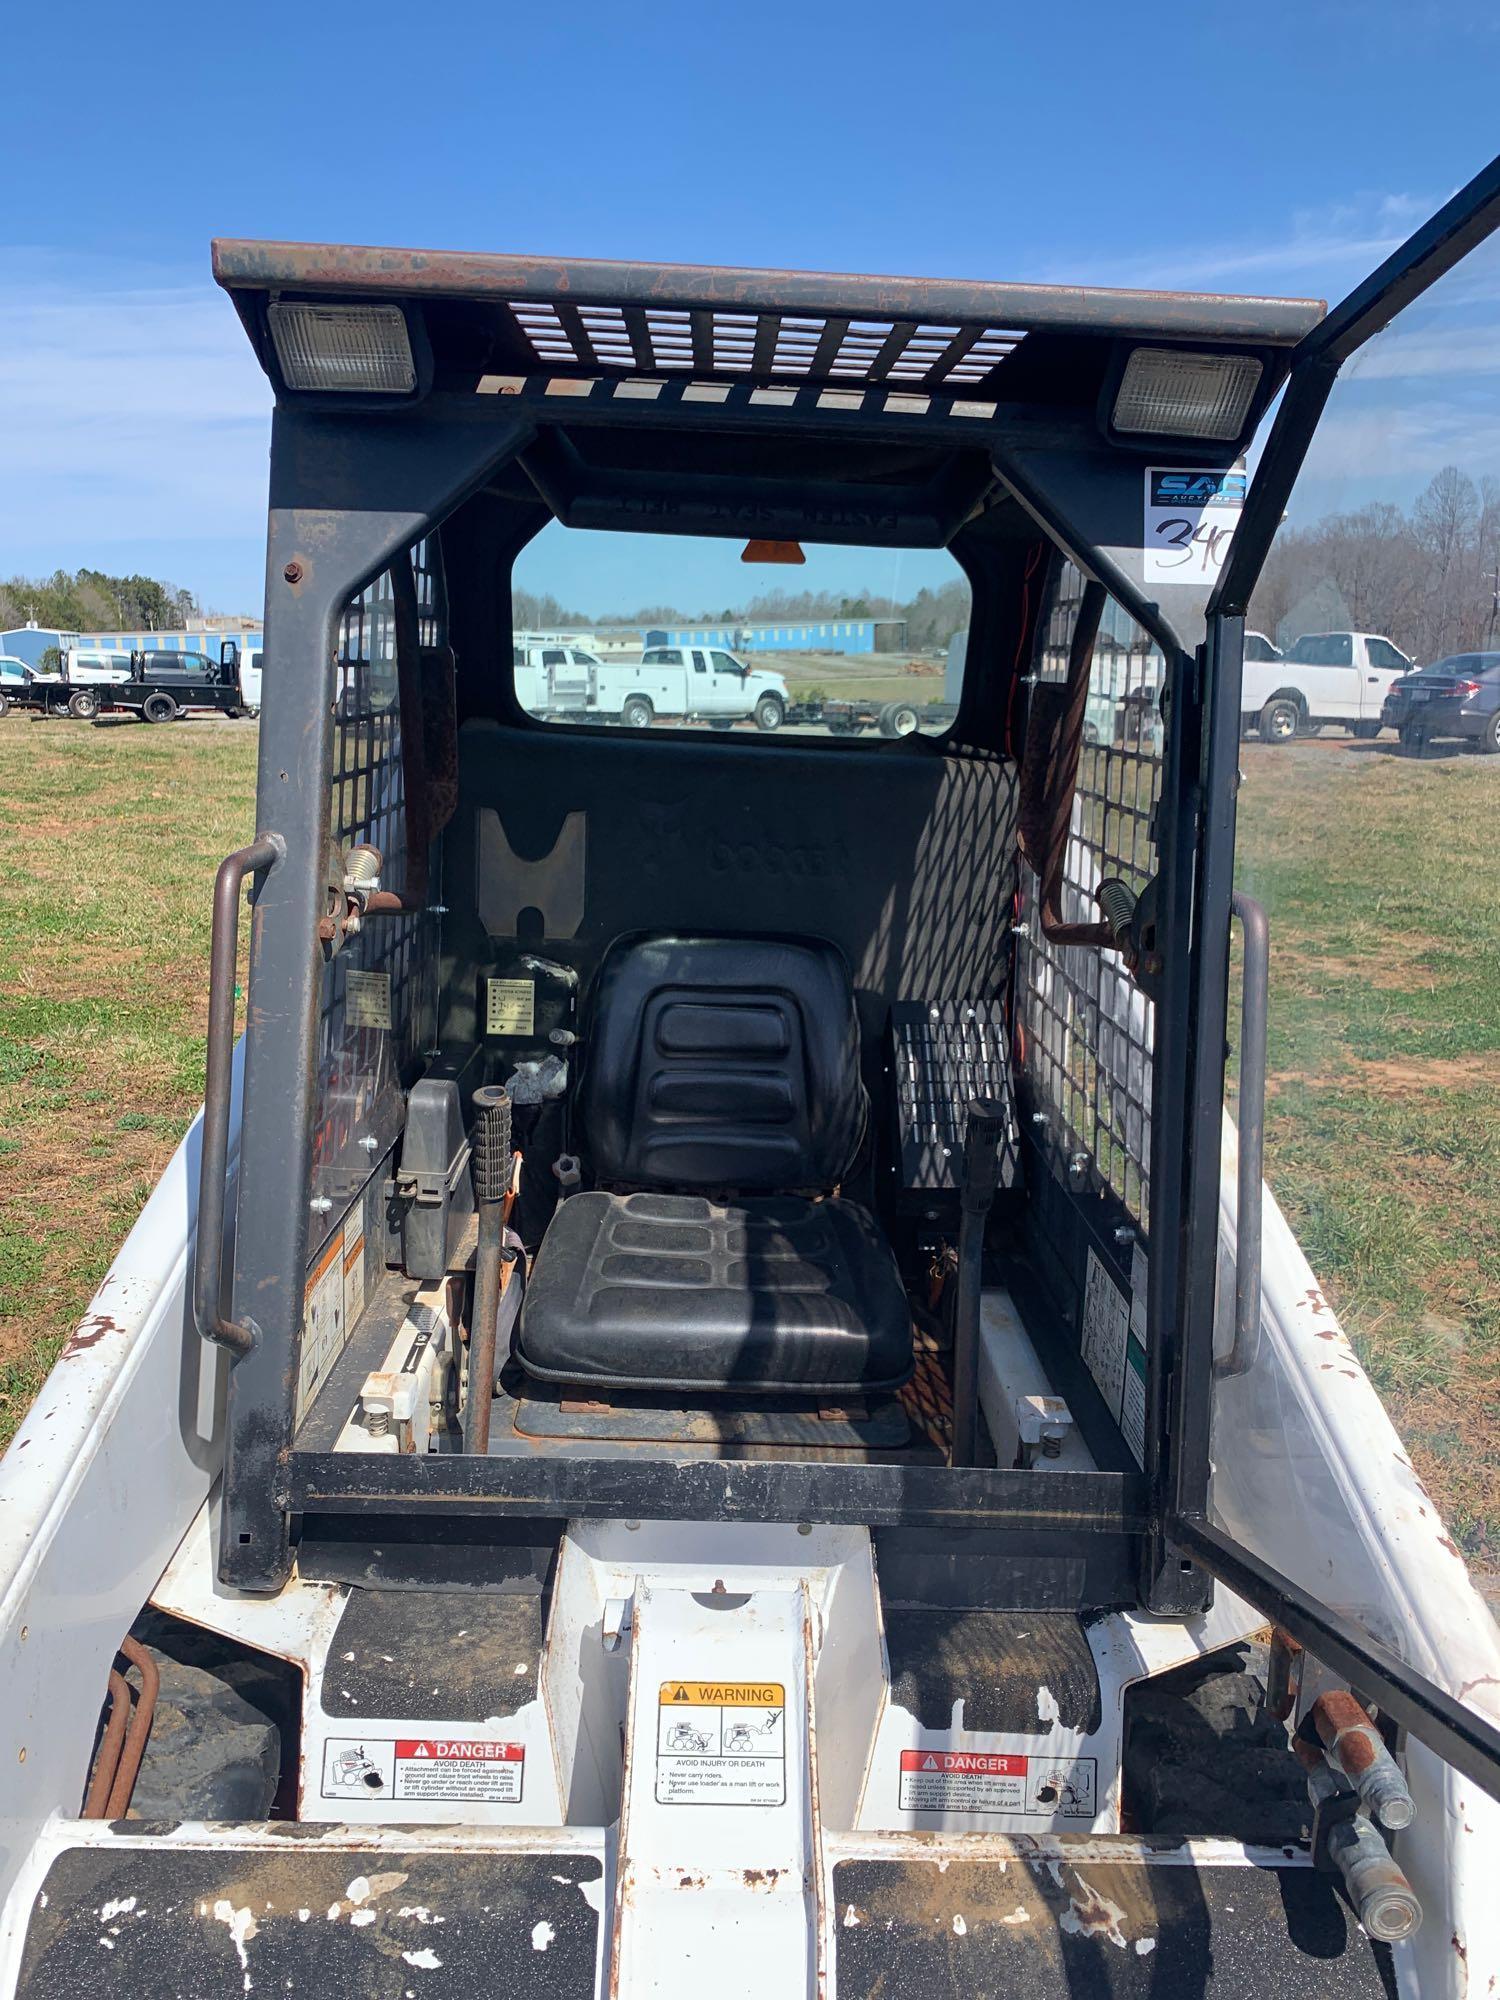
point(1340, 677)
point(676, 683)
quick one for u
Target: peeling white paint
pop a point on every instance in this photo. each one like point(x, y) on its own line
point(241, 1926)
point(1072, 1921)
point(359, 1918)
point(424, 1916)
point(1017, 1917)
point(119, 1906)
point(303, 1915)
point(425, 1960)
point(960, 1928)
point(541, 1936)
point(1143, 1945)
point(1046, 1705)
point(851, 1918)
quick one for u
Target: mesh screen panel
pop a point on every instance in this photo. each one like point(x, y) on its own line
point(363, 1068)
point(1086, 1028)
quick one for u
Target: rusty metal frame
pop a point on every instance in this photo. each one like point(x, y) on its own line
point(350, 270)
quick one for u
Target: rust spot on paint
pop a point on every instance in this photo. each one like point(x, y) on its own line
point(1323, 1334)
point(762, 1878)
point(1447, 1542)
point(90, 1331)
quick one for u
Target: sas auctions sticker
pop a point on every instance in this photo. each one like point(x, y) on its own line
point(430, 1768)
point(991, 1781)
point(1191, 513)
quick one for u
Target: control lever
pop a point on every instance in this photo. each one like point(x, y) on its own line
point(983, 1137)
point(490, 1164)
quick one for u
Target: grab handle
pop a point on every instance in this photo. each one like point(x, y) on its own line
point(213, 1168)
point(1252, 1134)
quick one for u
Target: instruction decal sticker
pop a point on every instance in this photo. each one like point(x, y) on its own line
point(1114, 1353)
point(997, 1781)
point(721, 1743)
point(367, 998)
point(462, 1769)
point(1191, 513)
point(509, 1007)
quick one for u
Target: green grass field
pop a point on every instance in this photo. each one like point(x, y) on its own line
point(1383, 883)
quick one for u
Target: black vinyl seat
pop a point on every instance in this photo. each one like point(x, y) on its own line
point(720, 1105)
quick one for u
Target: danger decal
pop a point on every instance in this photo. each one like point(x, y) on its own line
point(996, 1781)
point(468, 1770)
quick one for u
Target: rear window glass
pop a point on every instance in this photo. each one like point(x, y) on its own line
point(685, 635)
point(1324, 649)
point(1384, 654)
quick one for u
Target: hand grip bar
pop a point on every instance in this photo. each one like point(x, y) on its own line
point(1252, 1136)
point(213, 1168)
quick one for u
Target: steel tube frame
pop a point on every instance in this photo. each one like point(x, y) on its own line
point(1254, 1002)
point(346, 497)
point(213, 1164)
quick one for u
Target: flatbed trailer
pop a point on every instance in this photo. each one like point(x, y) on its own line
point(714, 1401)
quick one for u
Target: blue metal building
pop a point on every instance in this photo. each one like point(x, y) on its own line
point(796, 635)
point(29, 642)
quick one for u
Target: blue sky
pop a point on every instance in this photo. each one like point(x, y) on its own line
point(1281, 148)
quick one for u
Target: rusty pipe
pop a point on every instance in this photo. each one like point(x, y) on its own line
point(1355, 1749)
point(137, 1734)
point(107, 1757)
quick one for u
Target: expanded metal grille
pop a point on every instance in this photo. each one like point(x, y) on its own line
point(363, 1064)
point(1087, 1028)
point(711, 342)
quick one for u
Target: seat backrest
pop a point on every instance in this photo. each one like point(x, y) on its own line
point(722, 1062)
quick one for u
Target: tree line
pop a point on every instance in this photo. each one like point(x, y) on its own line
point(1425, 577)
point(91, 600)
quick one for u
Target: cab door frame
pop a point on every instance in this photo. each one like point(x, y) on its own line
point(1462, 1737)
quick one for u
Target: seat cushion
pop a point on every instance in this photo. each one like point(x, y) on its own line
point(769, 1295)
point(718, 1063)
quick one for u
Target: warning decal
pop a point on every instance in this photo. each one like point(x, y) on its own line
point(466, 1768)
point(721, 1743)
point(987, 1781)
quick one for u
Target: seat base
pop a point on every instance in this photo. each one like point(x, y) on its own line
point(864, 1423)
point(766, 1296)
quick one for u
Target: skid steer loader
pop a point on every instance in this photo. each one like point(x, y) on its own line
point(713, 1403)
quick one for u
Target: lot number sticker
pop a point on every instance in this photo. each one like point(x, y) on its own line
point(992, 1781)
point(470, 1769)
point(721, 1743)
point(1191, 515)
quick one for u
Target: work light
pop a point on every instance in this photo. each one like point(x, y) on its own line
point(1169, 393)
point(362, 350)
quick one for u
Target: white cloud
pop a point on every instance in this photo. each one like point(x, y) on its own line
point(130, 410)
point(1328, 249)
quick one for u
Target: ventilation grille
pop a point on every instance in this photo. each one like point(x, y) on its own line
point(763, 345)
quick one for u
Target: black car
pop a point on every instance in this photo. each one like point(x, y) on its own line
point(1458, 696)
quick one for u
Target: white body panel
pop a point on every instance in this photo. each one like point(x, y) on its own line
point(112, 1471)
point(80, 665)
